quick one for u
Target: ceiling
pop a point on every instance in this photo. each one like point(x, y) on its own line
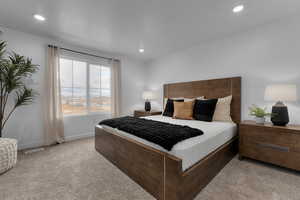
point(124, 26)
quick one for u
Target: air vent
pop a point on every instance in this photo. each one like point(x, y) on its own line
point(30, 151)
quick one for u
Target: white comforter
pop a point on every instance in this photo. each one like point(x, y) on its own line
point(194, 149)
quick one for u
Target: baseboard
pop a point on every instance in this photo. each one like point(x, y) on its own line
point(80, 136)
point(67, 138)
point(30, 145)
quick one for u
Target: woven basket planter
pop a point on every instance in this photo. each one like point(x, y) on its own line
point(8, 154)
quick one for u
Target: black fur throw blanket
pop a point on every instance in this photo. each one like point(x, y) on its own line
point(163, 134)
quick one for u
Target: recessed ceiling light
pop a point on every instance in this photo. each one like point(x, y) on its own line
point(238, 8)
point(39, 17)
point(141, 50)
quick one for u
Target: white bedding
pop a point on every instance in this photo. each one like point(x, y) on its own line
point(194, 149)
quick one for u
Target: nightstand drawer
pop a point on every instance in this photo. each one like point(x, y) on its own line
point(142, 113)
point(278, 145)
point(281, 155)
point(279, 137)
point(267, 145)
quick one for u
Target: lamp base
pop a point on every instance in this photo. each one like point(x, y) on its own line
point(147, 106)
point(280, 115)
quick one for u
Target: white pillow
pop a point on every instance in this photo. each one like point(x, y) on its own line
point(222, 111)
point(189, 99)
point(200, 98)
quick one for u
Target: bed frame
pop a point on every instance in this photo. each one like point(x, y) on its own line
point(160, 173)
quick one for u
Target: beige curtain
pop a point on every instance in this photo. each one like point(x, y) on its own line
point(54, 125)
point(115, 88)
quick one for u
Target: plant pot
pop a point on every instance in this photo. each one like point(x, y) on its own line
point(260, 120)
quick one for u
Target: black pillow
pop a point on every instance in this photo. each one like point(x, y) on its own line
point(169, 109)
point(204, 109)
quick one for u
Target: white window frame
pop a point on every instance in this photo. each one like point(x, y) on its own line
point(88, 62)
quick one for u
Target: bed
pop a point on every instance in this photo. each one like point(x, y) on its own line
point(192, 150)
point(181, 173)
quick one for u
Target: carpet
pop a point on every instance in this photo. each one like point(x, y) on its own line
point(75, 171)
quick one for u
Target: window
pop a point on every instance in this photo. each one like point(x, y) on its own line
point(99, 89)
point(85, 87)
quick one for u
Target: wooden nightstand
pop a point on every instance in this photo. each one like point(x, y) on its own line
point(143, 113)
point(279, 145)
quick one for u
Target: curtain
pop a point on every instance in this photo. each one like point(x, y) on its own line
point(115, 88)
point(54, 125)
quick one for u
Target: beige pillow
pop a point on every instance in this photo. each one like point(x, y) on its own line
point(222, 111)
point(183, 110)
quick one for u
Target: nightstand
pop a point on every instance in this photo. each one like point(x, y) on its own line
point(279, 145)
point(143, 113)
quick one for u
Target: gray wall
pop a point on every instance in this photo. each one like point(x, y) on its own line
point(26, 123)
point(265, 55)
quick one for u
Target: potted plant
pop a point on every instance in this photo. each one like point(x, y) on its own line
point(260, 114)
point(14, 70)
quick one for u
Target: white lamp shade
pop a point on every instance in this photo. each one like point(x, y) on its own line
point(281, 93)
point(148, 95)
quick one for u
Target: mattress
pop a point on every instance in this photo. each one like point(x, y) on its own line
point(194, 149)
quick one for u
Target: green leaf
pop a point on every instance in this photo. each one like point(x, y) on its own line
point(24, 97)
point(258, 112)
point(2, 49)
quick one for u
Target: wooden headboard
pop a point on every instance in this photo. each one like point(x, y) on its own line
point(214, 88)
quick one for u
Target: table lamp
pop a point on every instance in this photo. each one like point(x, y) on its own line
point(280, 93)
point(147, 96)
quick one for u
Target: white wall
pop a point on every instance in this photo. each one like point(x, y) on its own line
point(133, 85)
point(265, 55)
point(26, 123)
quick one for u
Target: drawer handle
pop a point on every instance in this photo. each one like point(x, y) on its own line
point(275, 147)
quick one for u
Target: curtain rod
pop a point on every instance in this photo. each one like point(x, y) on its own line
point(83, 53)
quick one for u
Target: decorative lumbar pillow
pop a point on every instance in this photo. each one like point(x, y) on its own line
point(204, 109)
point(169, 108)
point(166, 100)
point(179, 98)
point(222, 112)
point(183, 110)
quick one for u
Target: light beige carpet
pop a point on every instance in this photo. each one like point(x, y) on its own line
point(75, 171)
